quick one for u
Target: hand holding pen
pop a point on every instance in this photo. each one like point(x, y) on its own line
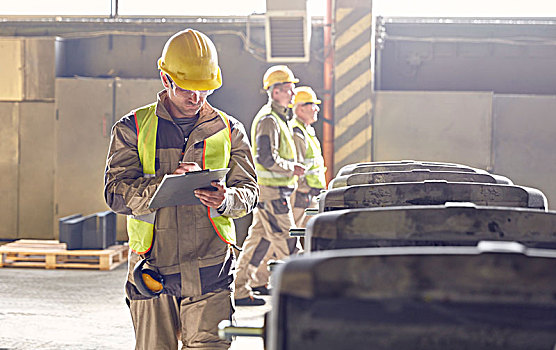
point(185, 167)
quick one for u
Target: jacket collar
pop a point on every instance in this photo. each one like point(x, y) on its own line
point(207, 125)
point(308, 127)
point(283, 112)
point(295, 117)
point(206, 113)
point(161, 110)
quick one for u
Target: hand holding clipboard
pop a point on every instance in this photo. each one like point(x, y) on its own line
point(178, 189)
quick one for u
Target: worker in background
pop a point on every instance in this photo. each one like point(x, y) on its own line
point(181, 277)
point(277, 172)
point(305, 112)
point(309, 153)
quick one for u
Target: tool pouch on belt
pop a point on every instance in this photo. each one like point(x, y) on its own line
point(148, 281)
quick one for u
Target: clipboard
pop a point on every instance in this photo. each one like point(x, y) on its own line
point(178, 189)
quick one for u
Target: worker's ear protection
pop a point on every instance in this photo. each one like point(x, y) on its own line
point(149, 282)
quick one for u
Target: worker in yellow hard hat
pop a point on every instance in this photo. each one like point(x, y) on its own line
point(277, 172)
point(309, 153)
point(180, 282)
point(305, 112)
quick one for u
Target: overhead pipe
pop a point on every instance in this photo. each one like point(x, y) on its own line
point(328, 115)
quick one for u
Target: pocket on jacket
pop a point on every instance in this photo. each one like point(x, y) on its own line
point(166, 218)
point(164, 252)
point(219, 276)
point(302, 200)
point(202, 220)
point(280, 205)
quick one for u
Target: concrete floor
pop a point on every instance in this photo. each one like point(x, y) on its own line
point(79, 310)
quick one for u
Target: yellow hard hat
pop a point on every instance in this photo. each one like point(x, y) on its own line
point(190, 59)
point(304, 94)
point(278, 74)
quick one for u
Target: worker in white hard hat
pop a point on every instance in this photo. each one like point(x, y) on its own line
point(181, 264)
point(277, 172)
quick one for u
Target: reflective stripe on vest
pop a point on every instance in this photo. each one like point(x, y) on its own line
point(140, 228)
point(286, 150)
point(217, 151)
point(315, 174)
point(216, 154)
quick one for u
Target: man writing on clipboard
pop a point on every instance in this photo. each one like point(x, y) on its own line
point(180, 270)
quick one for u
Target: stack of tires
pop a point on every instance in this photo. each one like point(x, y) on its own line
point(420, 255)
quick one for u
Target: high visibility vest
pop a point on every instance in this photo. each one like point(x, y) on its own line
point(216, 154)
point(315, 174)
point(286, 150)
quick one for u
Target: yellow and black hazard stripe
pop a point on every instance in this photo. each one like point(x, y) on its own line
point(352, 85)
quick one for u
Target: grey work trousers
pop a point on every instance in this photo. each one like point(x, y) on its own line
point(301, 202)
point(160, 322)
point(272, 220)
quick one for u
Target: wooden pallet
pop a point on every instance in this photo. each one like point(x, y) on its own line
point(53, 254)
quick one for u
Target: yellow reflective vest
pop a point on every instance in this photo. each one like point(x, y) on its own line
point(313, 160)
point(216, 154)
point(286, 150)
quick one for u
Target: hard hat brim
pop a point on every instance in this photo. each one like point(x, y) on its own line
point(317, 102)
point(186, 84)
point(267, 86)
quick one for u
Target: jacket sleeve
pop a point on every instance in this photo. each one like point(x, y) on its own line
point(241, 179)
point(268, 142)
point(300, 144)
point(126, 191)
point(301, 148)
